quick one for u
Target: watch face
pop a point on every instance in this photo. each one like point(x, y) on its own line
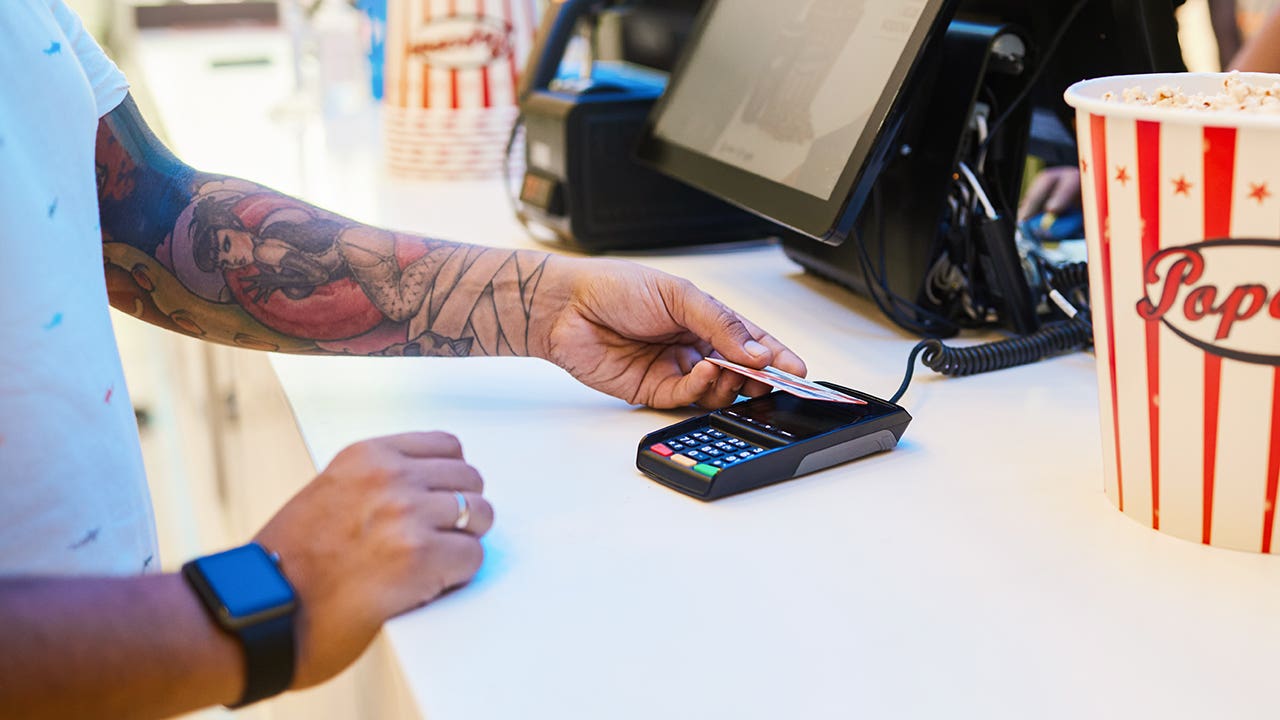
point(246, 582)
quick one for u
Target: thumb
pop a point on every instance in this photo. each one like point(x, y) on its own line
point(712, 321)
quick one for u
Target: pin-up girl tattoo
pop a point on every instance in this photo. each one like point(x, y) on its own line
point(310, 274)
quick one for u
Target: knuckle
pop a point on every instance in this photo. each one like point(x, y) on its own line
point(376, 477)
point(471, 476)
point(458, 475)
point(414, 547)
point(346, 456)
point(448, 442)
point(673, 290)
point(485, 513)
point(360, 454)
point(728, 321)
point(397, 510)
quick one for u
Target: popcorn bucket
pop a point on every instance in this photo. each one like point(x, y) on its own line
point(451, 73)
point(1182, 214)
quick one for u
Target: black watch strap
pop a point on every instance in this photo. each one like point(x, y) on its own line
point(268, 657)
point(238, 590)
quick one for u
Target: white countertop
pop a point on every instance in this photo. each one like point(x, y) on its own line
point(975, 571)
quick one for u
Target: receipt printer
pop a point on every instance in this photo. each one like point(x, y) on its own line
point(582, 185)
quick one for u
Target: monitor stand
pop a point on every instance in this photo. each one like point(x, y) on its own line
point(904, 224)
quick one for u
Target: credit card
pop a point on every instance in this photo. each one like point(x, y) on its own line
point(787, 382)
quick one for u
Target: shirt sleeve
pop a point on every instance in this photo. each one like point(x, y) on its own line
point(109, 84)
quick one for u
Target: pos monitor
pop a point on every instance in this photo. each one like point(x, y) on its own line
point(776, 106)
point(889, 136)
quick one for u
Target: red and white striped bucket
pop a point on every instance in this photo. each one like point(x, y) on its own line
point(1182, 214)
point(452, 69)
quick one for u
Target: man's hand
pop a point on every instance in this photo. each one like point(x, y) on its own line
point(642, 335)
point(1055, 190)
point(373, 536)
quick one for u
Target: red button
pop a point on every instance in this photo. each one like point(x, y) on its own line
point(662, 450)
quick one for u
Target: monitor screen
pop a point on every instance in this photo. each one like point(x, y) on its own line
point(791, 110)
point(776, 105)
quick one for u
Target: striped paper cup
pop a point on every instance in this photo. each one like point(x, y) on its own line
point(1182, 214)
point(452, 72)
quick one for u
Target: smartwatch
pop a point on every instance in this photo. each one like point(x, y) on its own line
point(247, 596)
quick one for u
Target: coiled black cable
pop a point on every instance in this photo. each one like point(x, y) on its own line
point(1052, 339)
point(1069, 276)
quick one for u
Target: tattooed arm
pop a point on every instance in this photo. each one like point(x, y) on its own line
point(238, 263)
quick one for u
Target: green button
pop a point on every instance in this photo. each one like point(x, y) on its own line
point(705, 469)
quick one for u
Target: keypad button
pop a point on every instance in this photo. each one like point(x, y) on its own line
point(674, 445)
point(699, 456)
point(715, 433)
point(708, 470)
point(737, 443)
point(757, 450)
point(662, 450)
point(744, 455)
point(713, 452)
point(718, 462)
point(684, 460)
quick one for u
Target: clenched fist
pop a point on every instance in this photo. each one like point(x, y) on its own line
point(373, 536)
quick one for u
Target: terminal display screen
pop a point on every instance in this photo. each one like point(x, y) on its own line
point(798, 418)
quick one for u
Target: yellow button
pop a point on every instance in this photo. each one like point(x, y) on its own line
point(684, 460)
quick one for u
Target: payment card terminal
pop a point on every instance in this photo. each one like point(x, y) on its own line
point(766, 440)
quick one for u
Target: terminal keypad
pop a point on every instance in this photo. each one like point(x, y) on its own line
point(711, 450)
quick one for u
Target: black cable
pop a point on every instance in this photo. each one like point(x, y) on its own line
point(1052, 339)
point(1068, 277)
point(911, 367)
point(925, 322)
point(892, 311)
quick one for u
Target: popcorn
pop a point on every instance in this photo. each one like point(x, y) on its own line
point(1237, 94)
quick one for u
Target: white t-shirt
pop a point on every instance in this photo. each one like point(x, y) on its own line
point(73, 493)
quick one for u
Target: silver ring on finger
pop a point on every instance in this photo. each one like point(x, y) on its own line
point(464, 511)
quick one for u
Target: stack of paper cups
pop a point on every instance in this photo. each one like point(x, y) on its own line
point(1182, 213)
point(452, 69)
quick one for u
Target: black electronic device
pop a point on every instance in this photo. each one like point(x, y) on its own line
point(581, 183)
point(848, 107)
point(778, 106)
point(768, 439)
point(915, 234)
point(895, 133)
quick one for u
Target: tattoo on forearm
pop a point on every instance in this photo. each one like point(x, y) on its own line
point(232, 261)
